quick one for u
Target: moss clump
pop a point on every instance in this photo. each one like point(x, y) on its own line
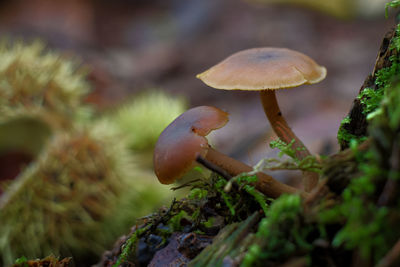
point(198, 193)
point(211, 205)
point(175, 221)
point(344, 136)
point(392, 4)
point(369, 210)
point(280, 234)
point(228, 199)
point(366, 226)
point(371, 97)
point(246, 183)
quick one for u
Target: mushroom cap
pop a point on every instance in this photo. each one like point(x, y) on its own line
point(263, 68)
point(184, 140)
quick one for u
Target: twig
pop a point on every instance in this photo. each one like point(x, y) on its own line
point(185, 184)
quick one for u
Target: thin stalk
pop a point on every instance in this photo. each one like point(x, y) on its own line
point(283, 131)
point(265, 184)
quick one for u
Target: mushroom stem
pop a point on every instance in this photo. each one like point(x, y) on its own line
point(265, 184)
point(283, 131)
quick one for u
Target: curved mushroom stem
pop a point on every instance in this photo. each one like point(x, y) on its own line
point(265, 184)
point(283, 131)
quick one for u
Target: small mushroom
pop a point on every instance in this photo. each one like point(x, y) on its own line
point(266, 70)
point(183, 142)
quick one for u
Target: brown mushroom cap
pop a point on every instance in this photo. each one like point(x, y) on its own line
point(263, 68)
point(183, 140)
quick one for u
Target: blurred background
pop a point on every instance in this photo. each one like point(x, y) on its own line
point(136, 46)
point(133, 45)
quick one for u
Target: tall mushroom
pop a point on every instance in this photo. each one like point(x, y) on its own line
point(266, 70)
point(183, 142)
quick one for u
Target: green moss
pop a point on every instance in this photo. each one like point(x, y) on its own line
point(247, 182)
point(129, 247)
point(209, 223)
point(308, 163)
point(346, 120)
point(367, 225)
point(371, 98)
point(198, 193)
point(252, 255)
point(228, 204)
point(392, 4)
point(227, 198)
point(387, 76)
point(21, 260)
point(384, 76)
point(285, 149)
point(175, 222)
point(344, 137)
point(259, 197)
point(280, 234)
point(363, 232)
point(395, 44)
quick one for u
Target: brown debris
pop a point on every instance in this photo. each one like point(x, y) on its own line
point(49, 261)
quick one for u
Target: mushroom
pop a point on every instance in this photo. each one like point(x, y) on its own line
point(183, 142)
point(266, 70)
